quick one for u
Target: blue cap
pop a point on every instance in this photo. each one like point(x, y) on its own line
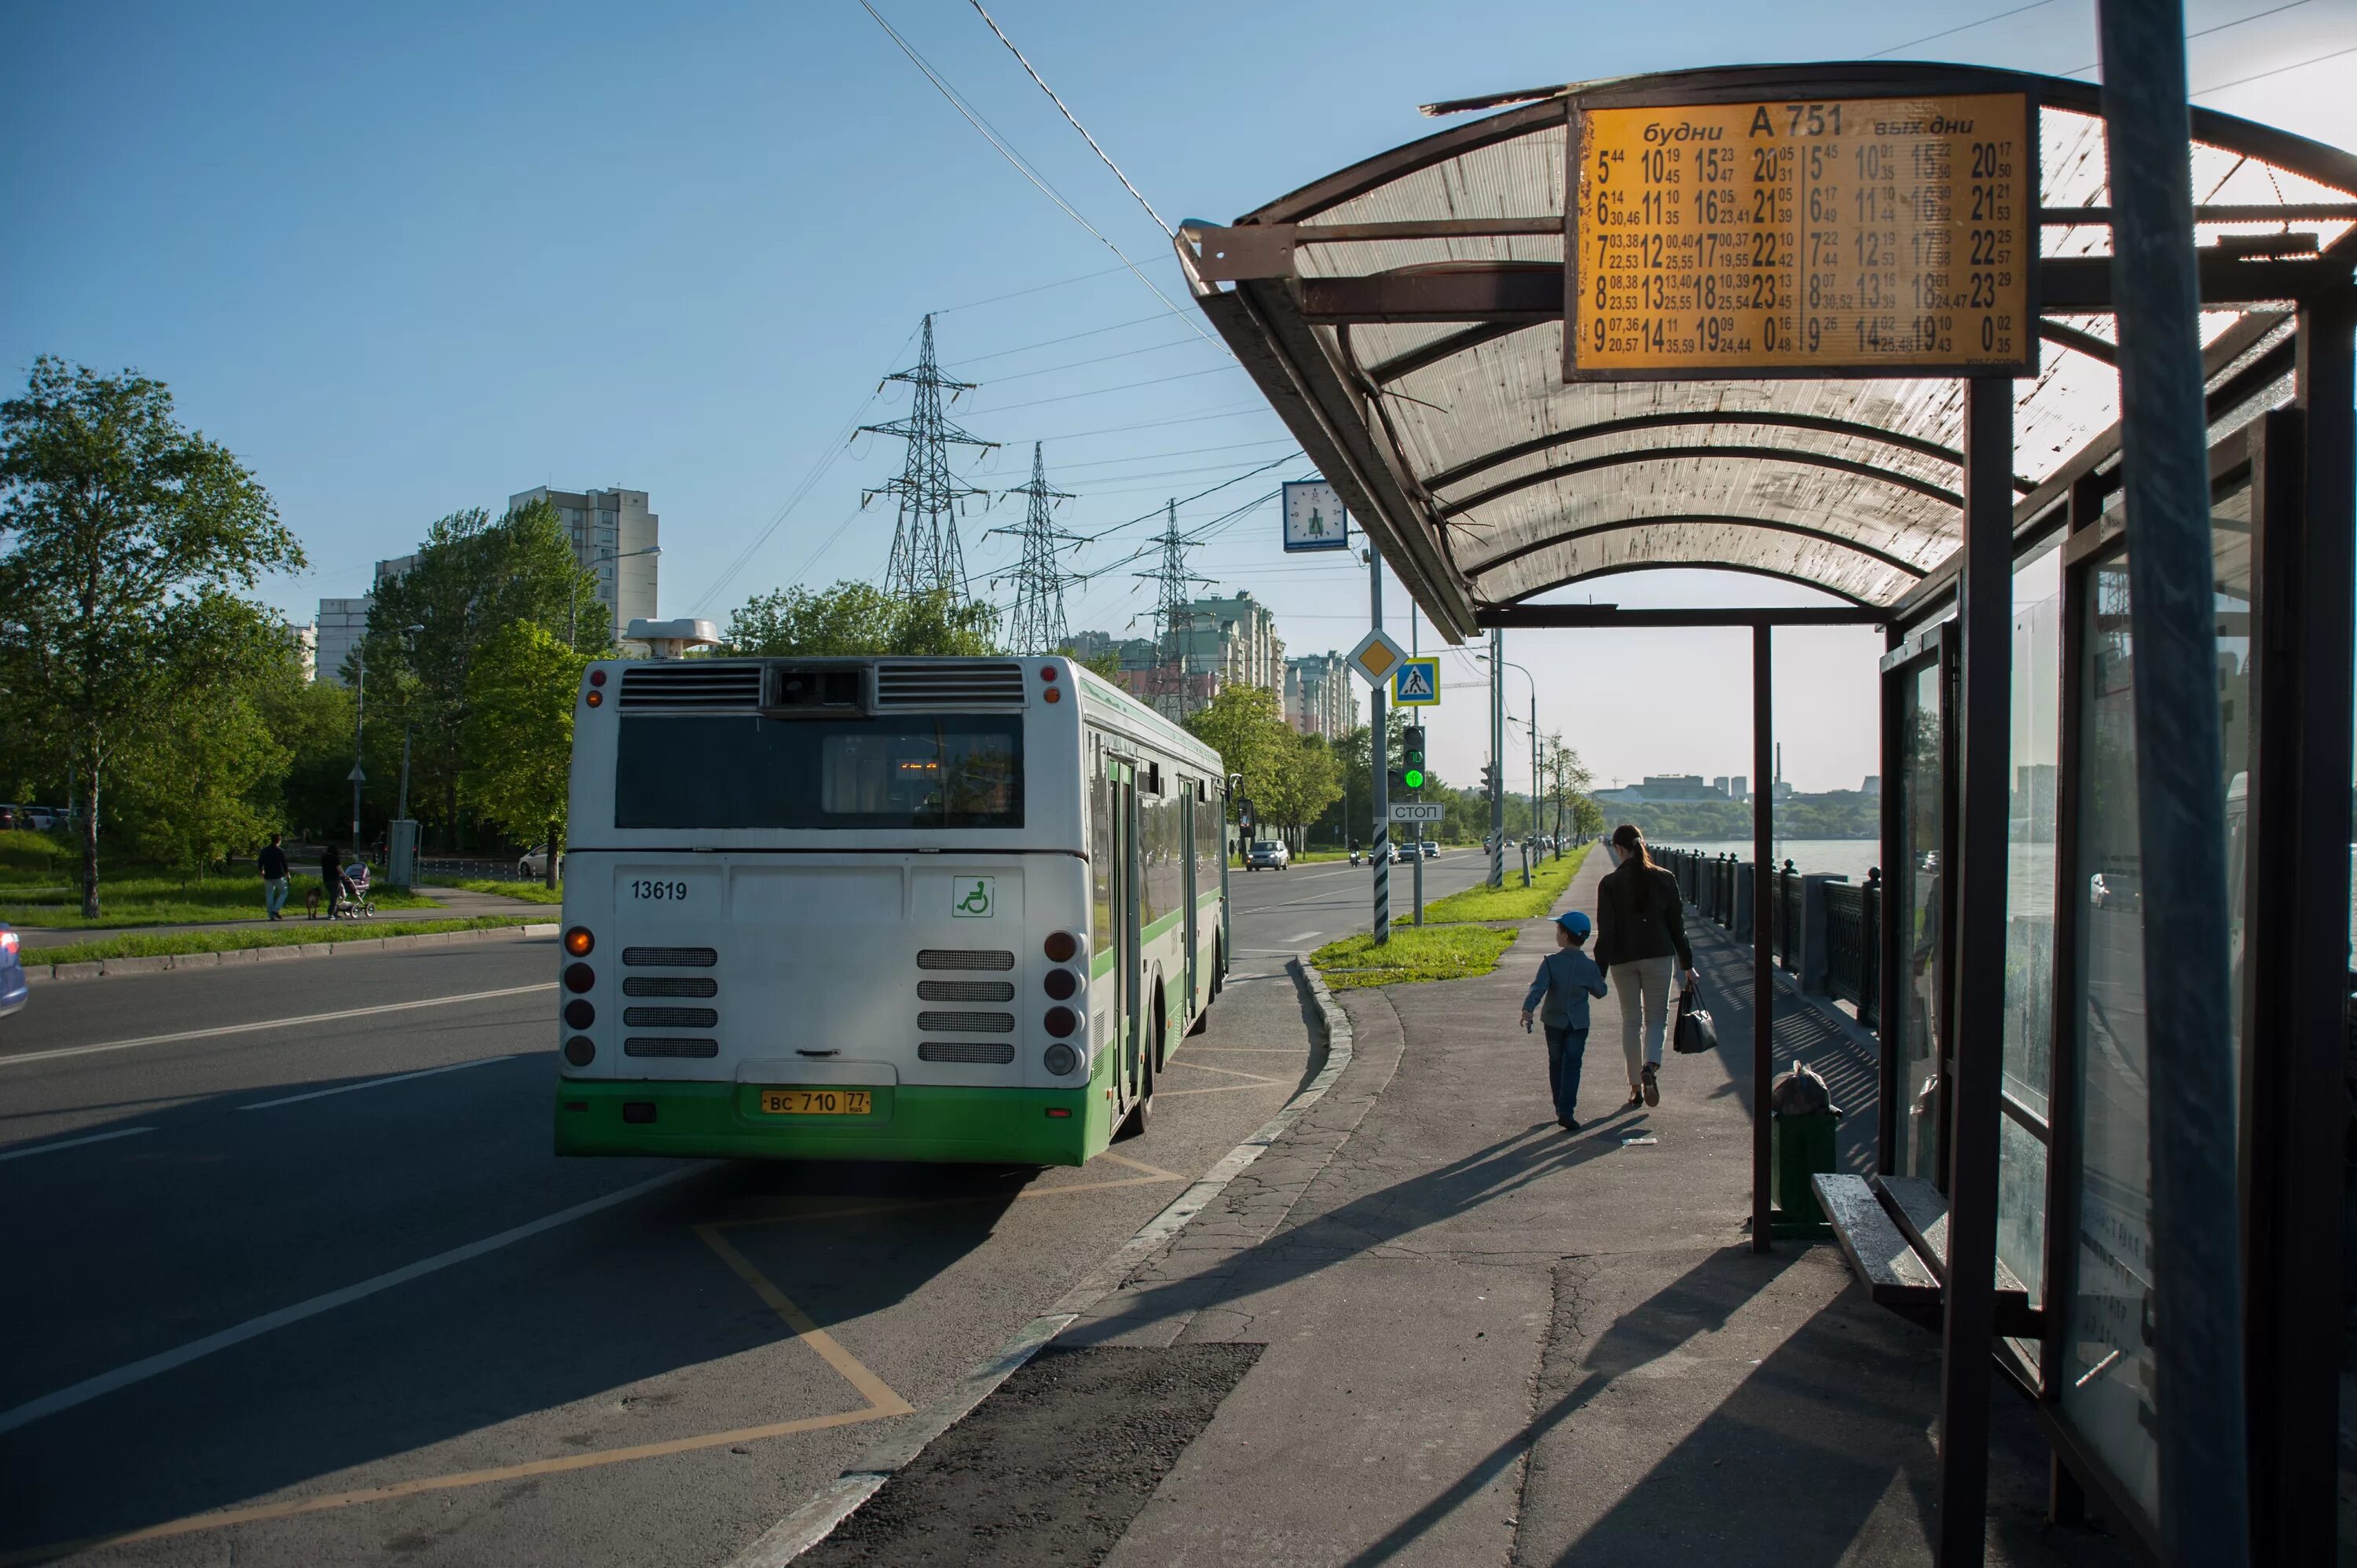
point(1575, 922)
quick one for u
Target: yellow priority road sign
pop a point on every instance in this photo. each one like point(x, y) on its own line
point(1376, 657)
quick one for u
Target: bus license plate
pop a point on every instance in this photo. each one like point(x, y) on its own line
point(814, 1101)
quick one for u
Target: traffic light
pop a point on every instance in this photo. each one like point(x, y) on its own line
point(1412, 756)
point(1488, 778)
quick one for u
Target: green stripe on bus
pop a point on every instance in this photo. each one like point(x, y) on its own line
point(909, 1121)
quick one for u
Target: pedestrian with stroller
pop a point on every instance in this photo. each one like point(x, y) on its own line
point(1566, 978)
point(1641, 943)
point(273, 864)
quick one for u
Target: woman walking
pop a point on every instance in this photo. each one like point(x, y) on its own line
point(1640, 941)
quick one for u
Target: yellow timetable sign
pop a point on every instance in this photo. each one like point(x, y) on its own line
point(1862, 236)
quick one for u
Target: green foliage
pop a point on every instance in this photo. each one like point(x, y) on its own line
point(1105, 664)
point(130, 539)
point(138, 897)
point(853, 618)
point(1415, 954)
point(27, 857)
point(529, 892)
point(1549, 877)
point(518, 729)
point(474, 580)
point(1243, 724)
point(296, 933)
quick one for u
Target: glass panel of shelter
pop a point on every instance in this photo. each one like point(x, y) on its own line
point(2105, 1380)
point(1916, 1029)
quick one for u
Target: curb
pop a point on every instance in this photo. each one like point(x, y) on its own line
point(840, 1499)
point(96, 969)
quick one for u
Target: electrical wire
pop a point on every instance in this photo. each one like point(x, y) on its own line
point(1961, 27)
point(1052, 342)
point(1101, 392)
point(2262, 76)
point(2205, 32)
point(1100, 360)
point(1103, 155)
point(1023, 167)
point(1018, 294)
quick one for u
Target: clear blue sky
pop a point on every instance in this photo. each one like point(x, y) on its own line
point(410, 259)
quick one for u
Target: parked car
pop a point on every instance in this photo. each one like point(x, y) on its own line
point(1431, 850)
point(533, 866)
point(2115, 889)
point(40, 819)
point(1268, 855)
point(12, 989)
point(7, 818)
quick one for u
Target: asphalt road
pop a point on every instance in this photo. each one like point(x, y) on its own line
point(293, 1278)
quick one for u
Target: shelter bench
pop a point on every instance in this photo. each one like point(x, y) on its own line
point(1894, 1231)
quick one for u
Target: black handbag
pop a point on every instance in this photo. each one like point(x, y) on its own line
point(1694, 1033)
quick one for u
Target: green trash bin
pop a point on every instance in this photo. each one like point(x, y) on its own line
point(1801, 1146)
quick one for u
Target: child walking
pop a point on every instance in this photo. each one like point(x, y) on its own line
point(1566, 978)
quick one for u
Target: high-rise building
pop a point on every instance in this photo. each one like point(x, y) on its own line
point(614, 537)
point(338, 631)
point(1318, 697)
point(305, 641)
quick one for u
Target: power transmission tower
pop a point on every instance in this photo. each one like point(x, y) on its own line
point(1037, 626)
point(1174, 587)
point(926, 557)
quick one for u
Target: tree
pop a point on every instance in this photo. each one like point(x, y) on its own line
point(1306, 779)
point(129, 538)
point(473, 580)
point(1105, 663)
point(852, 619)
point(1244, 726)
point(518, 731)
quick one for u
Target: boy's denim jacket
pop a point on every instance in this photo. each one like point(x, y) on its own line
point(1566, 978)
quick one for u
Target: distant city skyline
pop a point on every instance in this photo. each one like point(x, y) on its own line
point(385, 311)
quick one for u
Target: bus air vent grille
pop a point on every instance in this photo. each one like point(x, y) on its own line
point(670, 985)
point(691, 683)
point(669, 958)
point(668, 1046)
point(965, 990)
point(670, 1017)
point(966, 1023)
point(958, 957)
point(949, 684)
point(965, 1051)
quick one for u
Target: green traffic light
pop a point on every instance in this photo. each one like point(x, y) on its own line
point(1413, 778)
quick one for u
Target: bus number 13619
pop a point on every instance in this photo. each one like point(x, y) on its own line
point(672, 892)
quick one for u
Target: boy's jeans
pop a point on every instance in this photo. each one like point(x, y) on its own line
point(273, 894)
point(1566, 1047)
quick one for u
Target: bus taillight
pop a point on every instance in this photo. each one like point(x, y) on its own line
point(578, 941)
point(1061, 1021)
point(1060, 946)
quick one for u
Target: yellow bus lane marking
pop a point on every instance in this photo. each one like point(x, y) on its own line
point(883, 1401)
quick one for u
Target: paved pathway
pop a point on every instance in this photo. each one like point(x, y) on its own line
point(1489, 1341)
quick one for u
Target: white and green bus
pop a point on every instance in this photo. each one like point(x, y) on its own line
point(878, 909)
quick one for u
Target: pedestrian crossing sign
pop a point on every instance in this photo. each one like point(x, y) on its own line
point(1416, 683)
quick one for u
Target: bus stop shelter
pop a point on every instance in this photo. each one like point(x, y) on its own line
point(1576, 337)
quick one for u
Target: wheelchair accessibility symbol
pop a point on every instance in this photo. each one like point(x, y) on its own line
point(971, 897)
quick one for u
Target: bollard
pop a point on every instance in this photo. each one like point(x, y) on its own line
point(1803, 1146)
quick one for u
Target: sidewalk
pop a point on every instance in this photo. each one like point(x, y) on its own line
point(1489, 1341)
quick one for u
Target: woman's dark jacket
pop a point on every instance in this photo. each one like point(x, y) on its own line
point(1640, 915)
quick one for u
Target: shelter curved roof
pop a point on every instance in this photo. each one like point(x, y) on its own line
point(1405, 315)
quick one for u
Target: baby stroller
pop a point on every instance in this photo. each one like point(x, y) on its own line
point(361, 900)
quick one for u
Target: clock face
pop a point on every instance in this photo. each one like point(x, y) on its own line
point(1314, 519)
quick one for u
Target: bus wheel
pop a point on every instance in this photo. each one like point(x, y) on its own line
point(1142, 1112)
point(1219, 966)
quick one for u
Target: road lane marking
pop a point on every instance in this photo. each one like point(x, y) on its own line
point(1228, 1072)
point(274, 1024)
point(373, 1083)
point(873, 1389)
point(196, 1523)
point(74, 1143)
point(254, 1327)
point(1301, 936)
point(1226, 1087)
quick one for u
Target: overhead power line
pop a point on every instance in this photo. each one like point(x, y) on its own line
point(1104, 156)
point(1022, 167)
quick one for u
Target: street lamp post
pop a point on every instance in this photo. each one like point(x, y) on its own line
point(572, 617)
point(1535, 761)
point(360, 723)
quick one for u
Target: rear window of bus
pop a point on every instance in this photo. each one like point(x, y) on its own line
point(913, 771)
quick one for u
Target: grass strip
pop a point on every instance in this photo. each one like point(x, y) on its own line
point(295, 934)
point(1413, 953)
point(529, 892)
point(152, 900)
point(1514, 901)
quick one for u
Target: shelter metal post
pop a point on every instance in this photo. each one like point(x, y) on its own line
point(1893, 930)
point(1980, 809)
point(2295, 944)
point(1497, 757)
point(1763, 928)
point(2197, 1313)
point(1378, 760)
